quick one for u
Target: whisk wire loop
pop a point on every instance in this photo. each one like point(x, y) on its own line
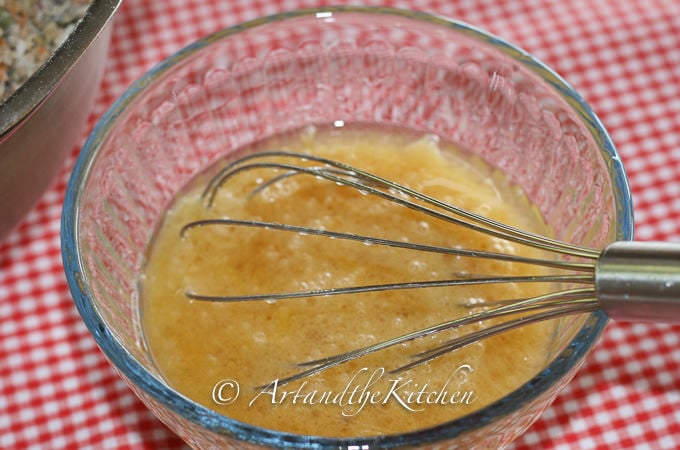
point(551, 305)
point(468, 280)
point(648, 270)
point(370, 183)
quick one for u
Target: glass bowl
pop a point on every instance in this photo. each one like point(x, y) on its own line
point(318, 66)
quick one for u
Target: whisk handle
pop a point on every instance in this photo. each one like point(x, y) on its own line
point(640, 281)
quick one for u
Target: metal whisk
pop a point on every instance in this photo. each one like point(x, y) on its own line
point(631, 281)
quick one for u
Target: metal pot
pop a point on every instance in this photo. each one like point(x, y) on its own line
point(40, 121)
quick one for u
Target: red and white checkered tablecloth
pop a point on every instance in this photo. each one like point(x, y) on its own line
point(58, 391)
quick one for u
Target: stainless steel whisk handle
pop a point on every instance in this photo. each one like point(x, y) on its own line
point(640, 281)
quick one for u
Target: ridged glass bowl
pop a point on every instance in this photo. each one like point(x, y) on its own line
point(352, 64)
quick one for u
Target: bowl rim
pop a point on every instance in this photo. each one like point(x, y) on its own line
point(568, 360)
point(20, 104)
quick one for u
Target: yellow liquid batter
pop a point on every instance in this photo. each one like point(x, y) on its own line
point(206, 350)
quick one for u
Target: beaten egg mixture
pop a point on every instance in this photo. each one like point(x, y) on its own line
point(226, 355)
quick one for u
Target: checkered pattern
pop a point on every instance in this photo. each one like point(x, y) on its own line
point(56, 389)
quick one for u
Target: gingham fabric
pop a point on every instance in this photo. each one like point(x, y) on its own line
point(57, 390)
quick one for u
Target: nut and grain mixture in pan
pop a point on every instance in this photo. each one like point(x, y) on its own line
point(30, 31)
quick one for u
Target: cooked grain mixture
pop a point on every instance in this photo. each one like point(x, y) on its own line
point(30, 31)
